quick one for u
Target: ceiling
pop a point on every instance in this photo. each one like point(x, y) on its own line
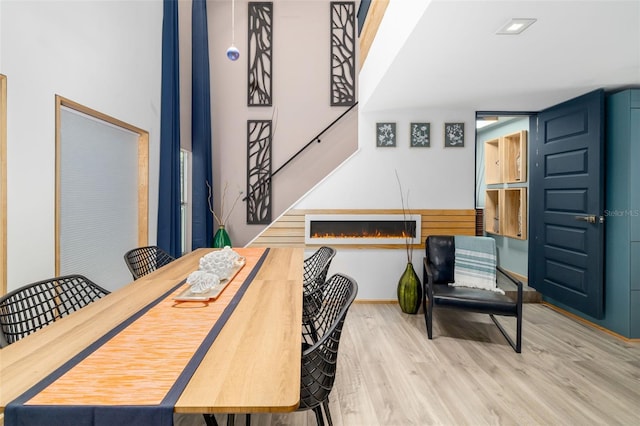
point(453, 59)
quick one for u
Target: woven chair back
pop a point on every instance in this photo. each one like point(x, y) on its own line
point(321, 341)
point(34, 306)
point(144, 260)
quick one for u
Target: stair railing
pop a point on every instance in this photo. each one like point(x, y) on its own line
point(316, 138)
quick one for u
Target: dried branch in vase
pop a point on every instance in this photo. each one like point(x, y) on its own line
point(222, 219)
point(408, 239)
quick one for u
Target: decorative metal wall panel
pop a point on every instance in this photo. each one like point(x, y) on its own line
point(260, 35)
point(258, 171)
point(343, 54)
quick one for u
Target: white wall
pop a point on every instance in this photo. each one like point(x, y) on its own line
point(105, 55)
point(301, 106)
point(388, 41)
point(435, 177)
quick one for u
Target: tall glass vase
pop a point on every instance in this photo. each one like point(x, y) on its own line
point(409, 290)
point(221, 238)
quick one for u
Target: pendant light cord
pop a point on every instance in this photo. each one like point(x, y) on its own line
point(233, 22)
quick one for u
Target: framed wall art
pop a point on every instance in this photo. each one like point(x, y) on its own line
point(386, 134)
point(420, 134)
point(454, 134)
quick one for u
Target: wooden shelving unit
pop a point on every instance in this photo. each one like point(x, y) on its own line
point(514, 157)
point(514, 213)
point(492, 171)
point(505, 204)
point(492, 211)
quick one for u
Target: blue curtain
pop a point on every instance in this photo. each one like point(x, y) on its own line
point(202, 218)
point(169, 185)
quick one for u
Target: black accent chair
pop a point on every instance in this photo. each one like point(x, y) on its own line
point(34, 306)
point(314, 275)
point(320, 345)
point(144, 260)
point(438, 272)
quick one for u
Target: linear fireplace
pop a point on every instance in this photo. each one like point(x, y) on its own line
point(362, 229)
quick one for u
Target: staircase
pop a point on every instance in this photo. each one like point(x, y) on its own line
point(529, 295)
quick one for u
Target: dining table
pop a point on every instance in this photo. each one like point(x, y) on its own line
point(142, 353)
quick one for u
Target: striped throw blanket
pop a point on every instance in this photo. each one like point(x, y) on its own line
point(475, 263)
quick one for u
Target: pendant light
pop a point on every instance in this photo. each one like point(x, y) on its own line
point(232, 52)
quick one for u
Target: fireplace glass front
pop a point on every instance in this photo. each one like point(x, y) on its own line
point(361, 229)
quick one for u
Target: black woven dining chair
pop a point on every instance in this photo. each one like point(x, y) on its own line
point(144, 260)
point(320, 345)
point(314, 275)
point(34, 306)
point(316, 267)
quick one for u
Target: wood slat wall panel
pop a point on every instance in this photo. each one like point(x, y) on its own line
point(285, 224)
point(479, 222)
point(288, 229)
point(444, 218)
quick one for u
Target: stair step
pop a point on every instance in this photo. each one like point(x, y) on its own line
point(529, 295)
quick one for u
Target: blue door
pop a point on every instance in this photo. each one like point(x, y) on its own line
point(566, 241)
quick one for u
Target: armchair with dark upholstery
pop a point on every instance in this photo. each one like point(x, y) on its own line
point(438, 272)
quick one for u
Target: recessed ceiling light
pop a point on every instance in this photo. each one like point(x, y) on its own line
point(515, 26)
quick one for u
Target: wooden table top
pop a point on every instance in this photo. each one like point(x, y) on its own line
point(252, 366)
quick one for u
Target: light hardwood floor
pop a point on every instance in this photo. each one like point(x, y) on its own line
point(389, 373)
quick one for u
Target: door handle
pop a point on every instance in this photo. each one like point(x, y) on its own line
point(589, 219)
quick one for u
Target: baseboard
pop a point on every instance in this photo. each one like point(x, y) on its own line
point(376, 301)
point(589, 323)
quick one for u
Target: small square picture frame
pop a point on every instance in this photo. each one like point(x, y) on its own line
point(454, 135)
point(386, 135)
point(420, 135)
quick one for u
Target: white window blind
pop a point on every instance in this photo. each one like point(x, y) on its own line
point(98, 198)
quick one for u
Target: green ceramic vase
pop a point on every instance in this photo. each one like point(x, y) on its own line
point(221, 238)
point(409, 290)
